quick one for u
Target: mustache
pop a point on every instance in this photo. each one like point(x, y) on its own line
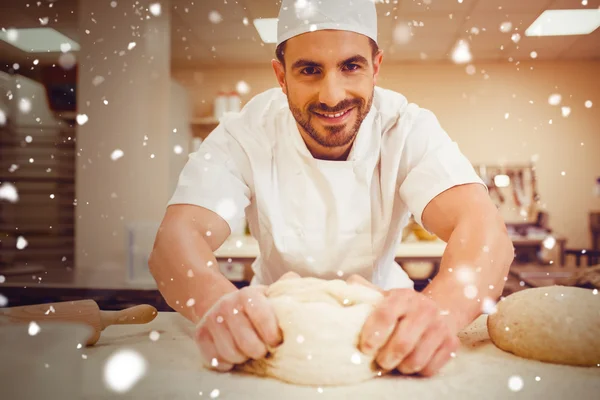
point(341, 106)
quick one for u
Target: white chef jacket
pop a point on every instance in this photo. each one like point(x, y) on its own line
point(326, 219)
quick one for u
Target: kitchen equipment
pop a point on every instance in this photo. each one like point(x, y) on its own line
point(80, 311)
point(221, 105)
point(488, 180)
point(513, 188)
point(234, 102)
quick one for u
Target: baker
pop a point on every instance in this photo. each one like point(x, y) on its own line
point(327, 169)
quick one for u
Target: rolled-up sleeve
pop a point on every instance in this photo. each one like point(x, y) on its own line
point(431, 163)
point(212, 178)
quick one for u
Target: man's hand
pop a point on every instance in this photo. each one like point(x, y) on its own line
point(407, 331)
point(238, 327)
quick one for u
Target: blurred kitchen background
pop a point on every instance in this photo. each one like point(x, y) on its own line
point(101, 102)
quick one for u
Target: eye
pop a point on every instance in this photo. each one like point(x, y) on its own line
point(310, 71)
point(352, 67)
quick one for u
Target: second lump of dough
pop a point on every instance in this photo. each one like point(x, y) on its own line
point(555, 324)
point(321, 323)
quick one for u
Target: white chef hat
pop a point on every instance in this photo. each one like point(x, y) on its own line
point(301, 16)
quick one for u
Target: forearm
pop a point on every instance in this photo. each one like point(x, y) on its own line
point(184, 267)
point(474, 267)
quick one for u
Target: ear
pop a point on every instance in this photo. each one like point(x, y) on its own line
point(279, 70)
point(377, 60)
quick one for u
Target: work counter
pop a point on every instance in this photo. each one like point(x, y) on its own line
point(119, 286)
point(173, 371)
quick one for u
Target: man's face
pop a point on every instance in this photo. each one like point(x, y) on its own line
point(329, 79)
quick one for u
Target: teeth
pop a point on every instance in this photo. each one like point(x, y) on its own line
point(334, 115)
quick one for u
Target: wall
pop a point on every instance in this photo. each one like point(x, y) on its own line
point(473, 107)
point(113, 194)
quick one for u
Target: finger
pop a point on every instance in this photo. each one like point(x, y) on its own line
point(262, 317)
point(441, 357)
point(418, 359)
point(359, 280)
point(380, 324)
point(227, 350)
point(245, 337)
point(208, 351)
point(405, 337)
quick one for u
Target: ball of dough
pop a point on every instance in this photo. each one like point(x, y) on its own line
point(321, 323)
point(556, 324)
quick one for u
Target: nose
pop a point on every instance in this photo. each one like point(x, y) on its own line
point(332, 90)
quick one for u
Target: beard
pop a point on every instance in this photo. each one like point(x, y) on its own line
point(332, 135)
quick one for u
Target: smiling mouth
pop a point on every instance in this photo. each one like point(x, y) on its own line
point(334, 116)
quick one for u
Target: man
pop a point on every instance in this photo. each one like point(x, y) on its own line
point(326, 169)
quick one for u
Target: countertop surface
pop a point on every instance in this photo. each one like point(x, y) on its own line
point(235, 248)
point(479, 371)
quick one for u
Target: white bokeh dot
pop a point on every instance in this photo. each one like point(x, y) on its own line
point(155, 9)
point(554, 99)
point(470, 291)
point(116, 154)
point(12, 35)
point(465, 275)
point(242, 87)
point(488, 306)
point(215, 17)
point(33, 329)
point(515, 383)
point(21, 243)
point(25, 105)
point(123, 369)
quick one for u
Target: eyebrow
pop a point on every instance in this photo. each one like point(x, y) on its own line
point(357, 59)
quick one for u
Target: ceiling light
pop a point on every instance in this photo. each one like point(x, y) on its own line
point(38, 40)
point(267, 29)
point(565, 22)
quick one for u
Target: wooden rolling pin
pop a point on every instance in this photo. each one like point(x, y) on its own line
point(83, 311)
